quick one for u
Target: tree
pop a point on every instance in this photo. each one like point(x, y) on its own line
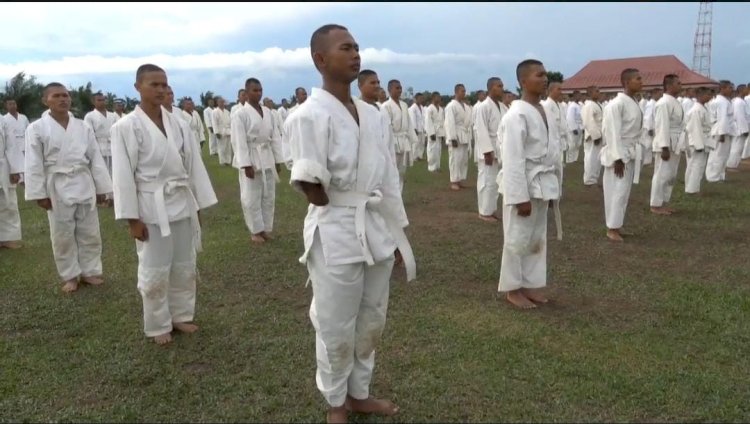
point(206, 97)
point(554, 76)
point(80, 100)
point(409, 93)
point(131, 103)
point(27, 93)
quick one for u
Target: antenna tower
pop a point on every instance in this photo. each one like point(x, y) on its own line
point(702, 44)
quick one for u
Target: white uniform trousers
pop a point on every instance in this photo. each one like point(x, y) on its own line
point(348, 312)
point(487, 188)
point(167, 277)
point(419, 146)
point(402, 162)
point(434, 153)
point(696, 166)
point(10, 219)
point(224, 149)
point(717, 160)
point(212, 144)
point(746, 149)
point(458, 162)
point(665, 176)
point(592, 164)
point(524, 261)
point(76, 241)
point(616, 195)
point(258, 200)
point(574, 147)
point(735, 151)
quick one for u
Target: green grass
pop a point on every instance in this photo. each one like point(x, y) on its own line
point(652, 330)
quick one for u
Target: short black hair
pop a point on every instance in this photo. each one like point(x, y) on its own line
point(148, 67)
point(492, 81)
point(296, 90)
point(251, 81)
point(627, 74)
point(703, 90)
point(364, 74)
point(741, 87)
point(457, 86)
point(669, 79)
point(51, 85)
point(316, 41)
point(481, 92)
point(435, 93)
point(724, 83)
point(240, 91)
point(418, 95)
point(392, 82)
point(524, 66)
point(97, 94)
point(590, 89)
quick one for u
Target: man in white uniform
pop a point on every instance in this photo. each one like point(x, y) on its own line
point(699, 141)
point(622, 126)
point(221, 119)
point(591, 115)
point(575, 126)
point(193, 118)
point(160, 186)
point(11, 167)
point(369, 88)
point(555, 114)
point(643, 155)
point(722, 131)
point(353, 227)
point(66, 176)
point(416, 114)
point(529, 180)
point(208, 116)
point(669, 124)
point(258, 158)
point(300, 96)
point(16, 123)
point(488, 116)
point(241, 101)
point(434, 122)
point(402, 133)
point(284, 109)
point(458, 134)
point(481, 96)
point(119, 108)
point(382, 97)
point(741, 112)
point(101, 120)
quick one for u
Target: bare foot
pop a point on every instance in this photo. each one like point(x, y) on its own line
point(163, 339)
point(534, 295)
point(70, 286)
point(614, 235)
point(185, 327)
point(266, 235)
point(337, 415)
point(463, 184)
point(93, 280)
point(517, 299)
point(455, 187)
point(371, 405)
point(488, 218)
point(660, 211)
point(670, 210)
point(257, 239)
point(11, 244)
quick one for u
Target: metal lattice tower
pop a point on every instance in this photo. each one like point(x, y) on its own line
point(702, 44)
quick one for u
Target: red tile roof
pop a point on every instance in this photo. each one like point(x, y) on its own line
point(606, 73)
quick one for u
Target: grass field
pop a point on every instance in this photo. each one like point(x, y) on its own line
point(654, 330)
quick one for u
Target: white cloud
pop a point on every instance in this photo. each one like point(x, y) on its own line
point(269, 60)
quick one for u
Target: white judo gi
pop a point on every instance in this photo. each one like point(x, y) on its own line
point(208, 120)
point(102, 124)
point(416, 114)
point(258, 144)
point(458, 127)
point(489, 114)
point(65, 166)
point(11, 162)
point(161, 180)
point(349, 243)
point(531, 170)
point(196, 126)
point(17, 126)
point(622, 125)
point(669, 124)
point(558, 128)
point(699, 143)
point(402, 133)
point(723, 125)
point(434, 125)
point(222, 122)
point(575, 123)
point(643, 154)
point(591, 115)
point(740, 110)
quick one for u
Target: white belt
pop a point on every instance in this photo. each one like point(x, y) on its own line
point(555, 203)
point(54, 170)
point(159, 188)
point(361, 201)
point(259, 149)
point(404, 149)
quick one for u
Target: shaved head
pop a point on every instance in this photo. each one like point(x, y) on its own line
point(524, 68)
point(143, 69)
point(319, 40)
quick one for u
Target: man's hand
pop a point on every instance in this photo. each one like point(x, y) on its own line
point(15, 178)
point(489, 158)
point(524, 209)
point(249, 172)
point(433, 138)
point(721, 139)
point(218, 136)
point(45, 204)
point(278, 168)
point(619, 168)
point(416, 132)
point(650, 133)
point(665, 154)
point(399, 258)
point(598, 141)
point(137, 229)
point(315, 193)
point(200, 221)
point(699, 151)
point(210, 130)
point(745, 134)
point(100, 198)
point(454, 143)
point(575, 132)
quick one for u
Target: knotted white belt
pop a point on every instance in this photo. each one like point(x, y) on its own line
point(159, 188)
point(405, 147)
point(54, 171)
point(259, 149)
point(361, 201)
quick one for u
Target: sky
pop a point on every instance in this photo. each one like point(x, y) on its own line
point(427, 46)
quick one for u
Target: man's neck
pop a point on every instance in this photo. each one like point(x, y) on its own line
point(62, 117)
point(14, 114)
point(531, 98)
point(632, 93)
point(152, 111)
point(103, 110)
point(370, 101)
point(340, 90)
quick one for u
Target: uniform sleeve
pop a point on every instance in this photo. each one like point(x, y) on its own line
point(740, 117)
point(570, 118)
point(124, 162)
point(99, 171)
point(450, 125)
point(589, 122)
point(208, 117)
point(484, 142)
point(240, 141)
point(661, 126)
point(392, 188)
point(308, 142)
point(612, 132)
point(515, 184)
point(13, 155)
point(694, 129)
point(723, 122)
point(200, 183)
point(34, 174)
point(429, 126)
point(276, 146)
point(202, 130)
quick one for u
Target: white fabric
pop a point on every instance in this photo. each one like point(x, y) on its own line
point(698, 137)
point(524, 265)
point(591, 115)
point(740, 110)
point(402, 135)
point(257, 144)
point(348, 250)
point(434, 122)
point(16, 127)
point(487, 125)
point(458, 127)
point(723, 125)
point(669, 126)
point(222, 122)
point(416, 114)
point(622, 125)
point(11, 162)
point(558, 127)
point(746, 149)
point(208, 120)
point(696, 166)
point(167, 277)
point(575, 123)
point(196, 125)
point(76, 241)
point(102, 123)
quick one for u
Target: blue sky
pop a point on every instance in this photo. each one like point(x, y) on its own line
point(216, 46)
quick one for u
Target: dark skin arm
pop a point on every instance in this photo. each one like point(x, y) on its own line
point(598, 141)
point(249, 172)
point(45, 204)
point(489, 158)
point(433, 138)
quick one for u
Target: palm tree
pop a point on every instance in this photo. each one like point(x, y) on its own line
point(27, 93)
